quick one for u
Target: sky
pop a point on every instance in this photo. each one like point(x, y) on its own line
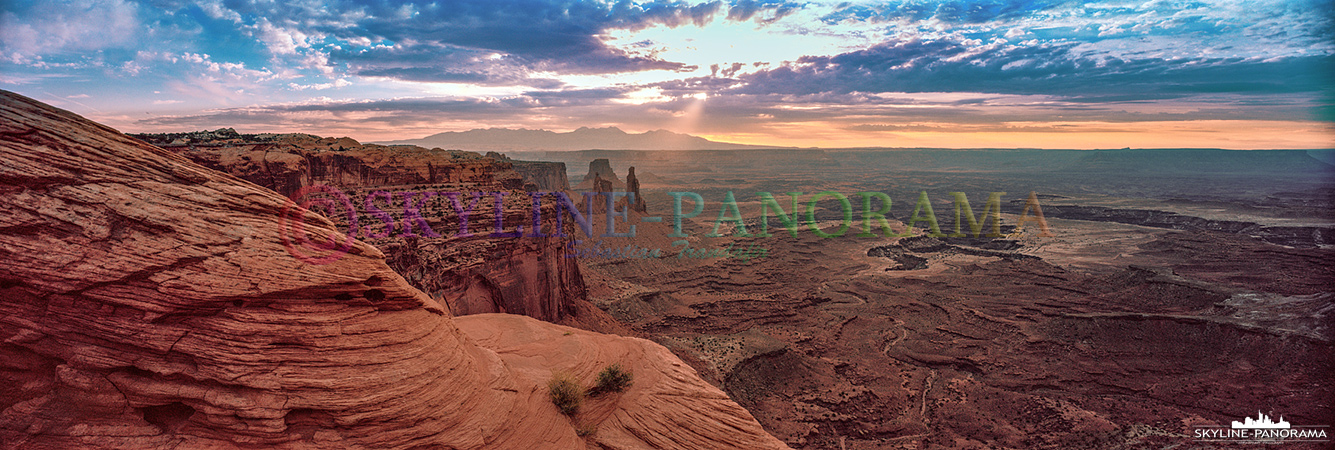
point(998, 73)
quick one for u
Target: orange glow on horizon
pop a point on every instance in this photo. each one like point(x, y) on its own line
point(1226, 134)
point(840, 133)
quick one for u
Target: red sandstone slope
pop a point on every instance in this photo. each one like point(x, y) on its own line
point(147, 302)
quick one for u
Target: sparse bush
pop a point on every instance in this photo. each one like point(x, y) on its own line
point(566, 393)
point(585, 430)
point(612, 379)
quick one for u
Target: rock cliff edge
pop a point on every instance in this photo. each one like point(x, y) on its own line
point(149, 302)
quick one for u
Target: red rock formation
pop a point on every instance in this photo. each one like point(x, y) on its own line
point(528, 276)
point(600, 168)
point(602, 186)
point(545, 176)
point(633, 186)
point(148, 302)
point(541, 175)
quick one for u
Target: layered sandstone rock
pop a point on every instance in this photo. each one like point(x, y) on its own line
point(148, 302)
point(544, 176)
point(503, 275)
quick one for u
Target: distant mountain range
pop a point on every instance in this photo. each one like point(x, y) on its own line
point(610, 138)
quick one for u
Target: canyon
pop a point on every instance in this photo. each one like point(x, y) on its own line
point(147, 301)
point(1177, 290)
point(1175, 300)
point(471, 276)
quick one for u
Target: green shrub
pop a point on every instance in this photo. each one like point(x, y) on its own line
point(566, 393)
point(612, 379)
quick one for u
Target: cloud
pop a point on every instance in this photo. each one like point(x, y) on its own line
point(1050, 69)
point(448, 41)
point(570, 97)
point(671, 14)
point(945, 11)
point(449, 64)
point(744, 10)
point(341, 82)
point(280, 40)
point(566, 109)
point(986, 128)
point(47, 28)
point(422, 42)
point(888, 66)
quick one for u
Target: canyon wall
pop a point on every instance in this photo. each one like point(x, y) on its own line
point(149, 302)
point(526, 276)
point(546, 176)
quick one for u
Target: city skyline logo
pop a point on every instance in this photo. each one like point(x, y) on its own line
point(1263, 429)
point(1262, 422)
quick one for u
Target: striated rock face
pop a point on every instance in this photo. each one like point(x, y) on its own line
point(148, 302)
point(527, 276)
point(544, 176)
point(538, 175)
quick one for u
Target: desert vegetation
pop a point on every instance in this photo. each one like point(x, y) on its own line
point(566, 393)
point(612, 378)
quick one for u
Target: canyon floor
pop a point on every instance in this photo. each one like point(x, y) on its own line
point(1107, 334)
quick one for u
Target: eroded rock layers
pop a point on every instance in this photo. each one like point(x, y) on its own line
point(467, 274)
point(148, 302)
